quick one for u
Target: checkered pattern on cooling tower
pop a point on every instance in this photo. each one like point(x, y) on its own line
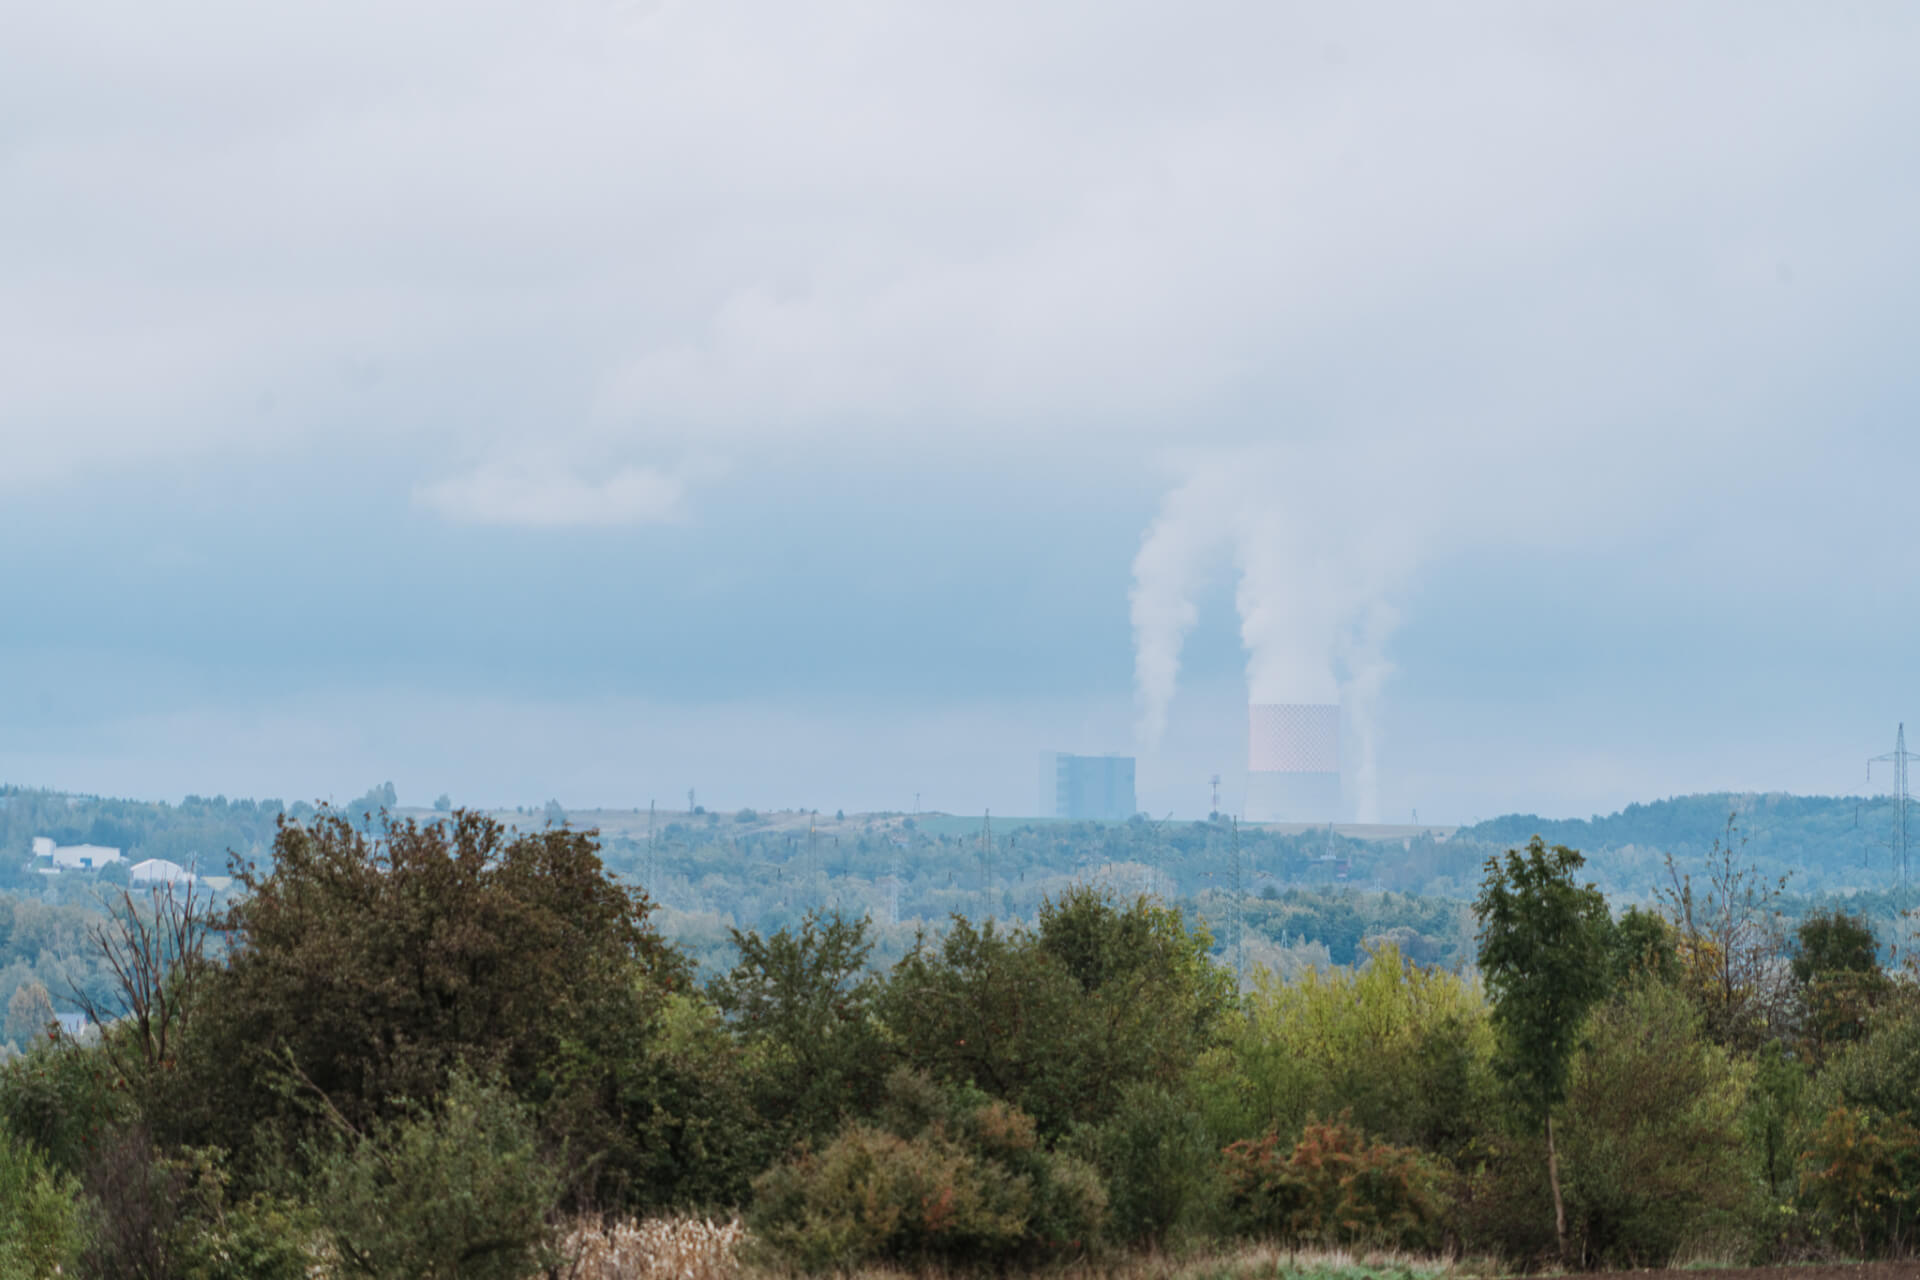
point(1294, 737)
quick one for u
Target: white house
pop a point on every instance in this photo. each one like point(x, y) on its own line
point(158, 871)
point(74, 857)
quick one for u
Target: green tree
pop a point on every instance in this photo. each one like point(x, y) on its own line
point(378, 965)
point(1860, 1172)
point(1544, 944)
point(1158, 1162)
point(452, 1192)
point(1652, 1130)
point(28, 1013)
point(805, 999)
point(1406, 1052)
point(366, 811)
point(1830, 942)
point(1837, 964)
point(1058, 1019)
point(1642, 943)
point(41, 1228)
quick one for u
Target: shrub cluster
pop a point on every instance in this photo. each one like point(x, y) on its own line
point(1336, 1188)
point(951, 1176)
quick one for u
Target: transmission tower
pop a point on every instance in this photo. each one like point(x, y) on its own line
point(986, 855)
point(1898, 758)
point(653, 862)
point(1215, 810)
point(812, 868)
point(1233, 912)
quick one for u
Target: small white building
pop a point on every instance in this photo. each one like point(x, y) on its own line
point(158, 871)
point(74, 857)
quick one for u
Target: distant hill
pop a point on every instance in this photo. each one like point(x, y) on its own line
point(1316, 887)
point(1829, 843)
point(1690, 824)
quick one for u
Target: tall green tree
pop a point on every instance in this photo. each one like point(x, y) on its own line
point(1059, 1018)
point(1544, 948)
point(1837, 966)
point(806, 1001)
point(376, 966)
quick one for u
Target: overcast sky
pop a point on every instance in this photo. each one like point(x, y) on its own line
point(595, 399)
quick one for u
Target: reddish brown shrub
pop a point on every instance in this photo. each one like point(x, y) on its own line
point(1336, 1187)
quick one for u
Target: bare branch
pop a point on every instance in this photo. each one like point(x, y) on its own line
point(156, 952)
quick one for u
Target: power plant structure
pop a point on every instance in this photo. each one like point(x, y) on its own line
point(1086, 787)
point(1293, 762)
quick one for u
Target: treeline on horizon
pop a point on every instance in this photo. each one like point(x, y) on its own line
point(427, 1053)
point(1829, 843)
point(1309, 899)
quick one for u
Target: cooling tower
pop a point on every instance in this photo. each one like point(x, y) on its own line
point(1293, 762)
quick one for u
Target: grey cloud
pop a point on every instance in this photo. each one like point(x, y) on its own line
point(739, 225)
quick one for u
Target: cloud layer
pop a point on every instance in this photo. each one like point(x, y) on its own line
point(1371, 303)
point(743, 228)
point(542, 492)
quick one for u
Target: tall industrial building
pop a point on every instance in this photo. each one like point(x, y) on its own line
point(1086, 786)
point(1293, 762)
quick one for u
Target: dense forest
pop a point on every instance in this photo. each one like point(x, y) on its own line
point(1304, 900)
point(442, 1047)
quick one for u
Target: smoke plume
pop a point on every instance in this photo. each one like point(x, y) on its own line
point(1173, 559)
point(1313, 593)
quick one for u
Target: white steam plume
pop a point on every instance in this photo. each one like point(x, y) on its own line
point(1314, 596)
point(1173, 556)
point(1362, 655)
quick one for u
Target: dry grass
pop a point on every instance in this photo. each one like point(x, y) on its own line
point(699, 1249)
point(655, 1249)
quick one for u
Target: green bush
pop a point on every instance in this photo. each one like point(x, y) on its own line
point(168, 1216)
point(61, 1098)
point(261, 1238)
point(1406, 1052)
point(211, 1236)
point(1881, 1071)
point(872, 1194)
point(455, 1191)
point(1652, 1133)
point(1060, 1017)
point(42, 1228)
point(1861, 1178)
point(1161, 1171)
point(1336, 1187)
point(1860, 1165)
point(690, 1135)
point(1505, 1206)
point(957, 1178)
